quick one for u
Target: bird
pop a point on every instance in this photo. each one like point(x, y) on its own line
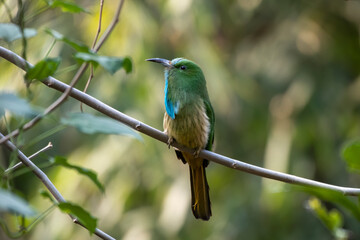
point(189, 120)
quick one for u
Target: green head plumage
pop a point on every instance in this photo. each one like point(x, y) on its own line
point(184, 82)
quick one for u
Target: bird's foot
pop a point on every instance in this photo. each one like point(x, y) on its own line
point(197, 152)
point(170, 141)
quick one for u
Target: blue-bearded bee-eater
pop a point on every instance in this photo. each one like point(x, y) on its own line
point(189, 120)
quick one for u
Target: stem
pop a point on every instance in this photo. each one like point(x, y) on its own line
point(8, 11)
point(21, 23)
point(50, 48)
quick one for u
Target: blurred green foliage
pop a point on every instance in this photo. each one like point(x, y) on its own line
point(283, 78)
point(331, 219)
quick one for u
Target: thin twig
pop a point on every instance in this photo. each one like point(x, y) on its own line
point(75, 79)
point(156, 134)
point(93, 47)
point(48, 184)
point(8, 11)
point(111, 27)
point(21, 24)
point(40, 174)
point(19, 164)
point(99, 25)
point(87, 84)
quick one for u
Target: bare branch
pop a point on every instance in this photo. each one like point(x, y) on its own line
point(75, 79)
point(156, 134)
point(48, 184)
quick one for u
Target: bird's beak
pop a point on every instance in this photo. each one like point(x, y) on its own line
point(164, 62)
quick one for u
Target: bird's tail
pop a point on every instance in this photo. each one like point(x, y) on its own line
point(200, 199)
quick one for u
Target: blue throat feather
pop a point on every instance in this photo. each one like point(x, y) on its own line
point(171, 109)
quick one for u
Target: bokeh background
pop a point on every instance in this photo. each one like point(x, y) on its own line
point(283, 78)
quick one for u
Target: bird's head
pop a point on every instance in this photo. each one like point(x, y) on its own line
point(180, 68)
point(184, 81)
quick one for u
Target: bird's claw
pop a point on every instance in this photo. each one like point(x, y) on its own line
point(197, 152)
point(170, 141)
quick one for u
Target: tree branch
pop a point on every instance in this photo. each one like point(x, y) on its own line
point(160, 136)
point(48, 184)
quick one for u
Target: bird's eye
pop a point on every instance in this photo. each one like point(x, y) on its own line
point(183, 67)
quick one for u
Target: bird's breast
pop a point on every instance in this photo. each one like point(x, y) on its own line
point(191, 126)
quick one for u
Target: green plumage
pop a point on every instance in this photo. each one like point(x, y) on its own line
point(189, 119)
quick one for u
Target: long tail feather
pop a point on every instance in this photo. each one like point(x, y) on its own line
point(200, 199)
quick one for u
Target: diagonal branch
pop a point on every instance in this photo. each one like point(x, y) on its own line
point(48, 184)
point(160, 136)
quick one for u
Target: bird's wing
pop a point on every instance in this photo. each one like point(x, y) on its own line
point(211, 115)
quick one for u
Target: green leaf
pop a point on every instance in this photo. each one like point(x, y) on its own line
point(82, 215)
point(47, 195)
point(351, 154)
point(91, 124)
point(127, 64)
point(10, 32)
point(15, 105)
point(334, 197)
point(67, 6)
point(43, 69)
point(10, 202)
point(84, 171)
point(111, 64)
point(77, 46)
point(332, 219)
